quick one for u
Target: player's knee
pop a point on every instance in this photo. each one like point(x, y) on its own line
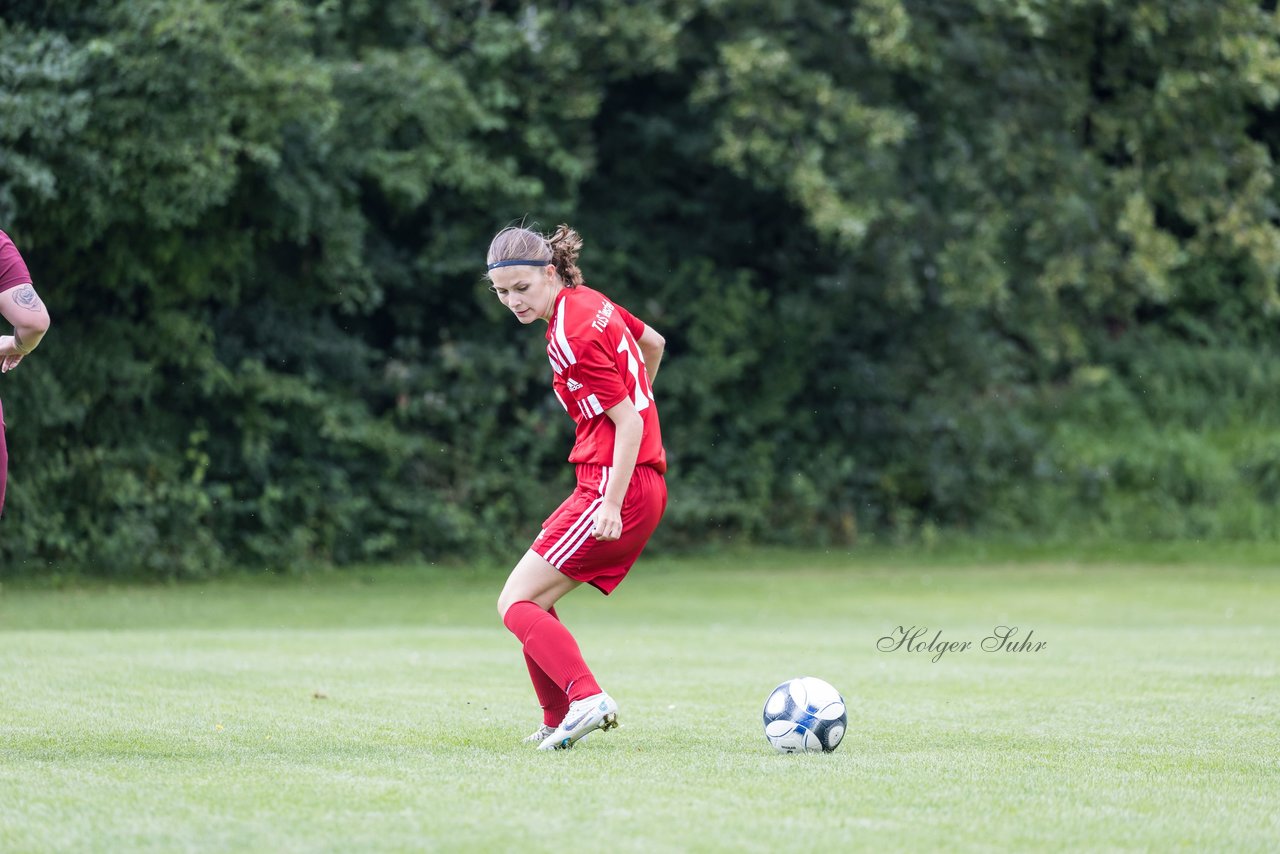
point(505, 601)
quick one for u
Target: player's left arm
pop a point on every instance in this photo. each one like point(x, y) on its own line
point(629, 428)
point(22, 307)
point(651, 346)
point(651, 343)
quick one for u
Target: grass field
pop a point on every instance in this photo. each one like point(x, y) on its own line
point(382, 710)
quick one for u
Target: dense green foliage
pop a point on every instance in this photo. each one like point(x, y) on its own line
point(990, 265)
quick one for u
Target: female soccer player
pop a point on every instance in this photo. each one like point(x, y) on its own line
point(21, 306)
point(603, 360)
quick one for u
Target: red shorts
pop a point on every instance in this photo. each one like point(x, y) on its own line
point(566, 542)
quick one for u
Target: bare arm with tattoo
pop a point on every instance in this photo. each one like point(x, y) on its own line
point(22, 307)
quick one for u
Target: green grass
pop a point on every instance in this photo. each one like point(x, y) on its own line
point(381, 710)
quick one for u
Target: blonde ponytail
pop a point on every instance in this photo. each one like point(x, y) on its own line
point(565, 246)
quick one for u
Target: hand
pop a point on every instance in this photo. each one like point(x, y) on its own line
point(10, 356)
point(608, 522)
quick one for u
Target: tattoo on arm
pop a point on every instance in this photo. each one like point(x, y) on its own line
point(27, 297)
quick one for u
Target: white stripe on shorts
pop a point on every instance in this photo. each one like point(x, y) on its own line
point(574, 537)
point(580, 540)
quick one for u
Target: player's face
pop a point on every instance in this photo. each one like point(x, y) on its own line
point(529, 292)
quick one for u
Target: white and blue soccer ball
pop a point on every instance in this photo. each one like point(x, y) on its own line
point(805, 715)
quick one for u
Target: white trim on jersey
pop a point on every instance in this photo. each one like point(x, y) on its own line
point(590, 407)
point(560, 340)
point(561, 399)
point(573, 538)
point(557, 364)
point(604, 477)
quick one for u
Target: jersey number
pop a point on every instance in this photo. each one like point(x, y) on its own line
point(634, 362)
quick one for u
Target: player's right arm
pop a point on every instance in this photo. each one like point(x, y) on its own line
point(22, 307)
point(651, 346)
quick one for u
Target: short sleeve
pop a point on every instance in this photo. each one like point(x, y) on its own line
point(593, 380)
point(13, 270)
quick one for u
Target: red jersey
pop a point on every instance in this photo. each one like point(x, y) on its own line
point(13, 270)
point(591, 343)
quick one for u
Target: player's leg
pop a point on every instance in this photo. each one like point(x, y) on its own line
point(529, 582)
point(604, 564)
point(534, 580)
point(553, 700)
point(533, 587)
point(551, 697)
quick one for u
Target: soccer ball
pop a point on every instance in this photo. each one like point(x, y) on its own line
point(805, 715)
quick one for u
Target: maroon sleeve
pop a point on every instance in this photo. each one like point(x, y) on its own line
point(13, 270)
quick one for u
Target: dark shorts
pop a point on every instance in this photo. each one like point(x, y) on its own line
point(566, 542)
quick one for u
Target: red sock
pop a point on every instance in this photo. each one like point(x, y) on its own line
point(554, 701)
point(552, 648)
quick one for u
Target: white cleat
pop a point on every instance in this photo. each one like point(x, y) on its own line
point(584, 717)
point(539, 735)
